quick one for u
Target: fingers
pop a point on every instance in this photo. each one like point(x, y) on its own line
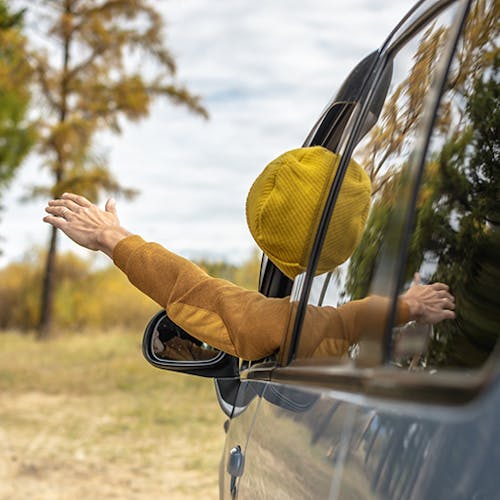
point(63, 208)
point(433, 315)
point(449, 300)
point(439, 309)
point(434, 291)
point(437, 315)
point(439, 295)
point(111, 206)
point(64, 203)
point(441, 300)
point(81, 213)
point(57, 222)
point(79, 200)
point(59, 211)
point(447, 303)
point(67, 205)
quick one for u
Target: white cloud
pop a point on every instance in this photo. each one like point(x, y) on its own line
point(265, 70)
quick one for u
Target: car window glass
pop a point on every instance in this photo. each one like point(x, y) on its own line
point(456, 233)
point(339, 311)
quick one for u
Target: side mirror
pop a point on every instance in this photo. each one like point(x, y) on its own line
point(169, 347)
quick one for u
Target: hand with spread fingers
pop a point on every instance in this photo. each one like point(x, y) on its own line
point(85, 223)
point(429, 303)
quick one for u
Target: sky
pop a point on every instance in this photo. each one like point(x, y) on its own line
point(265, 71)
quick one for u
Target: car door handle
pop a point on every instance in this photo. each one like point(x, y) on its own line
point(235, 466)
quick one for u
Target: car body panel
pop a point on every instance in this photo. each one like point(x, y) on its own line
point(336, 448)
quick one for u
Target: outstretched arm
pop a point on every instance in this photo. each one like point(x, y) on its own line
point(238, 321)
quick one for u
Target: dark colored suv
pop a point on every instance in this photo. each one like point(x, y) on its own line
point(410, 411)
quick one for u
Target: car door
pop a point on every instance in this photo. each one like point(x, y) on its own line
point(431, 432)
point(380, 420)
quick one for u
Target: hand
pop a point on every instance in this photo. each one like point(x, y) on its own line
point(429, 303)
point(85, 223)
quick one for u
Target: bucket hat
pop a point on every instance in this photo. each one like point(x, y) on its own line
point(285, 202)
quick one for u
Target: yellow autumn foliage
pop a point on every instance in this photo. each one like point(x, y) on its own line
point(88, 297)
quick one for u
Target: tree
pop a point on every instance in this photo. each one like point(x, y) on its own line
point(16, 135)
point(107, 62)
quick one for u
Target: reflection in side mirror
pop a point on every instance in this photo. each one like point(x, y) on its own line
point(169, 341)
point(169, 347)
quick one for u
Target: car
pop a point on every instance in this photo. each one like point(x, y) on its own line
point(409, 410)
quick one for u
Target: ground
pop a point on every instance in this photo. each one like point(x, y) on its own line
point(87, 417)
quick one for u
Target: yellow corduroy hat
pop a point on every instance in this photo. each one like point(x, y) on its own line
point(285, 202)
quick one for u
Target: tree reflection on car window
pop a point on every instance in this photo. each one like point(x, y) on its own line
point(455, 238)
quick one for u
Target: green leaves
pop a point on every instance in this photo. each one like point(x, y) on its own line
point(16, 134)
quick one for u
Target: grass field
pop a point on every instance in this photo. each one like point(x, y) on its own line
point(86, 417)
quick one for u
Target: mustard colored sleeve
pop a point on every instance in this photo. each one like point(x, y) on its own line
point(329, 331)
point(238, 321)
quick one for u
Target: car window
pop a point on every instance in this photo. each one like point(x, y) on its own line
point(455, 237)
point(352, 302)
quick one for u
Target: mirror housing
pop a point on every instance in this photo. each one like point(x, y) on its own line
point(196, 358)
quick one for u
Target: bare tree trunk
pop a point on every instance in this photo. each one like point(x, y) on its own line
point(47, 298)
point(49, 281)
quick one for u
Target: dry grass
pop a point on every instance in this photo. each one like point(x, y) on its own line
point(85, 417)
